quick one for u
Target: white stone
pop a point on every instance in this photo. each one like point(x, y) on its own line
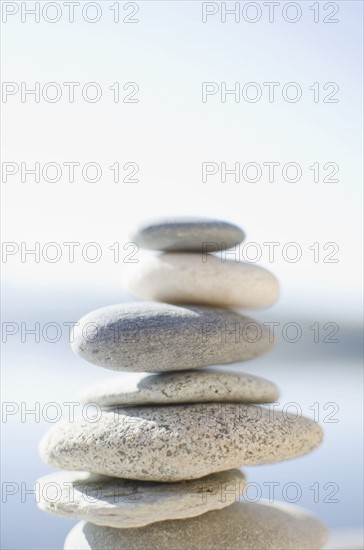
point(186, 278)
point(124, 503)
point(178, 442)
point(193, 386)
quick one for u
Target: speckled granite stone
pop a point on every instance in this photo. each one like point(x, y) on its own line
point(178, 442)
point(124, 503)
point(242, 526)
point(187, 234)
point(196, 386)
point(186, 278)
point(154, 337)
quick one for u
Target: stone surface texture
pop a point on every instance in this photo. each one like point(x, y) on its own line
point(124, 503)
point(194, 386)
point(154, 337)
point(178, 442)
point(242, 526)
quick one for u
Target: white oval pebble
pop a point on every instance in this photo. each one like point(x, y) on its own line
point(186, 278)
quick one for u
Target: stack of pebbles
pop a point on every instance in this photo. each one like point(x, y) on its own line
point(157, 466)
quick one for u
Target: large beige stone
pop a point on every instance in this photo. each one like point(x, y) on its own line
point(178, 442)
point(187, 278)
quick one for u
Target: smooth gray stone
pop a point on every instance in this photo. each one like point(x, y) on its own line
point(157, 337)
point(124, 503)
point(178, 442)
point(195, 386)
point(242, 526)
point(188, 234)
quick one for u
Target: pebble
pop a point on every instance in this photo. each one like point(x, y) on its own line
point(241, 526)
point(188, 234)
point(178, 442)
point(180, 387)
point(156, 337)
point(124, 503)
point(186, 278)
